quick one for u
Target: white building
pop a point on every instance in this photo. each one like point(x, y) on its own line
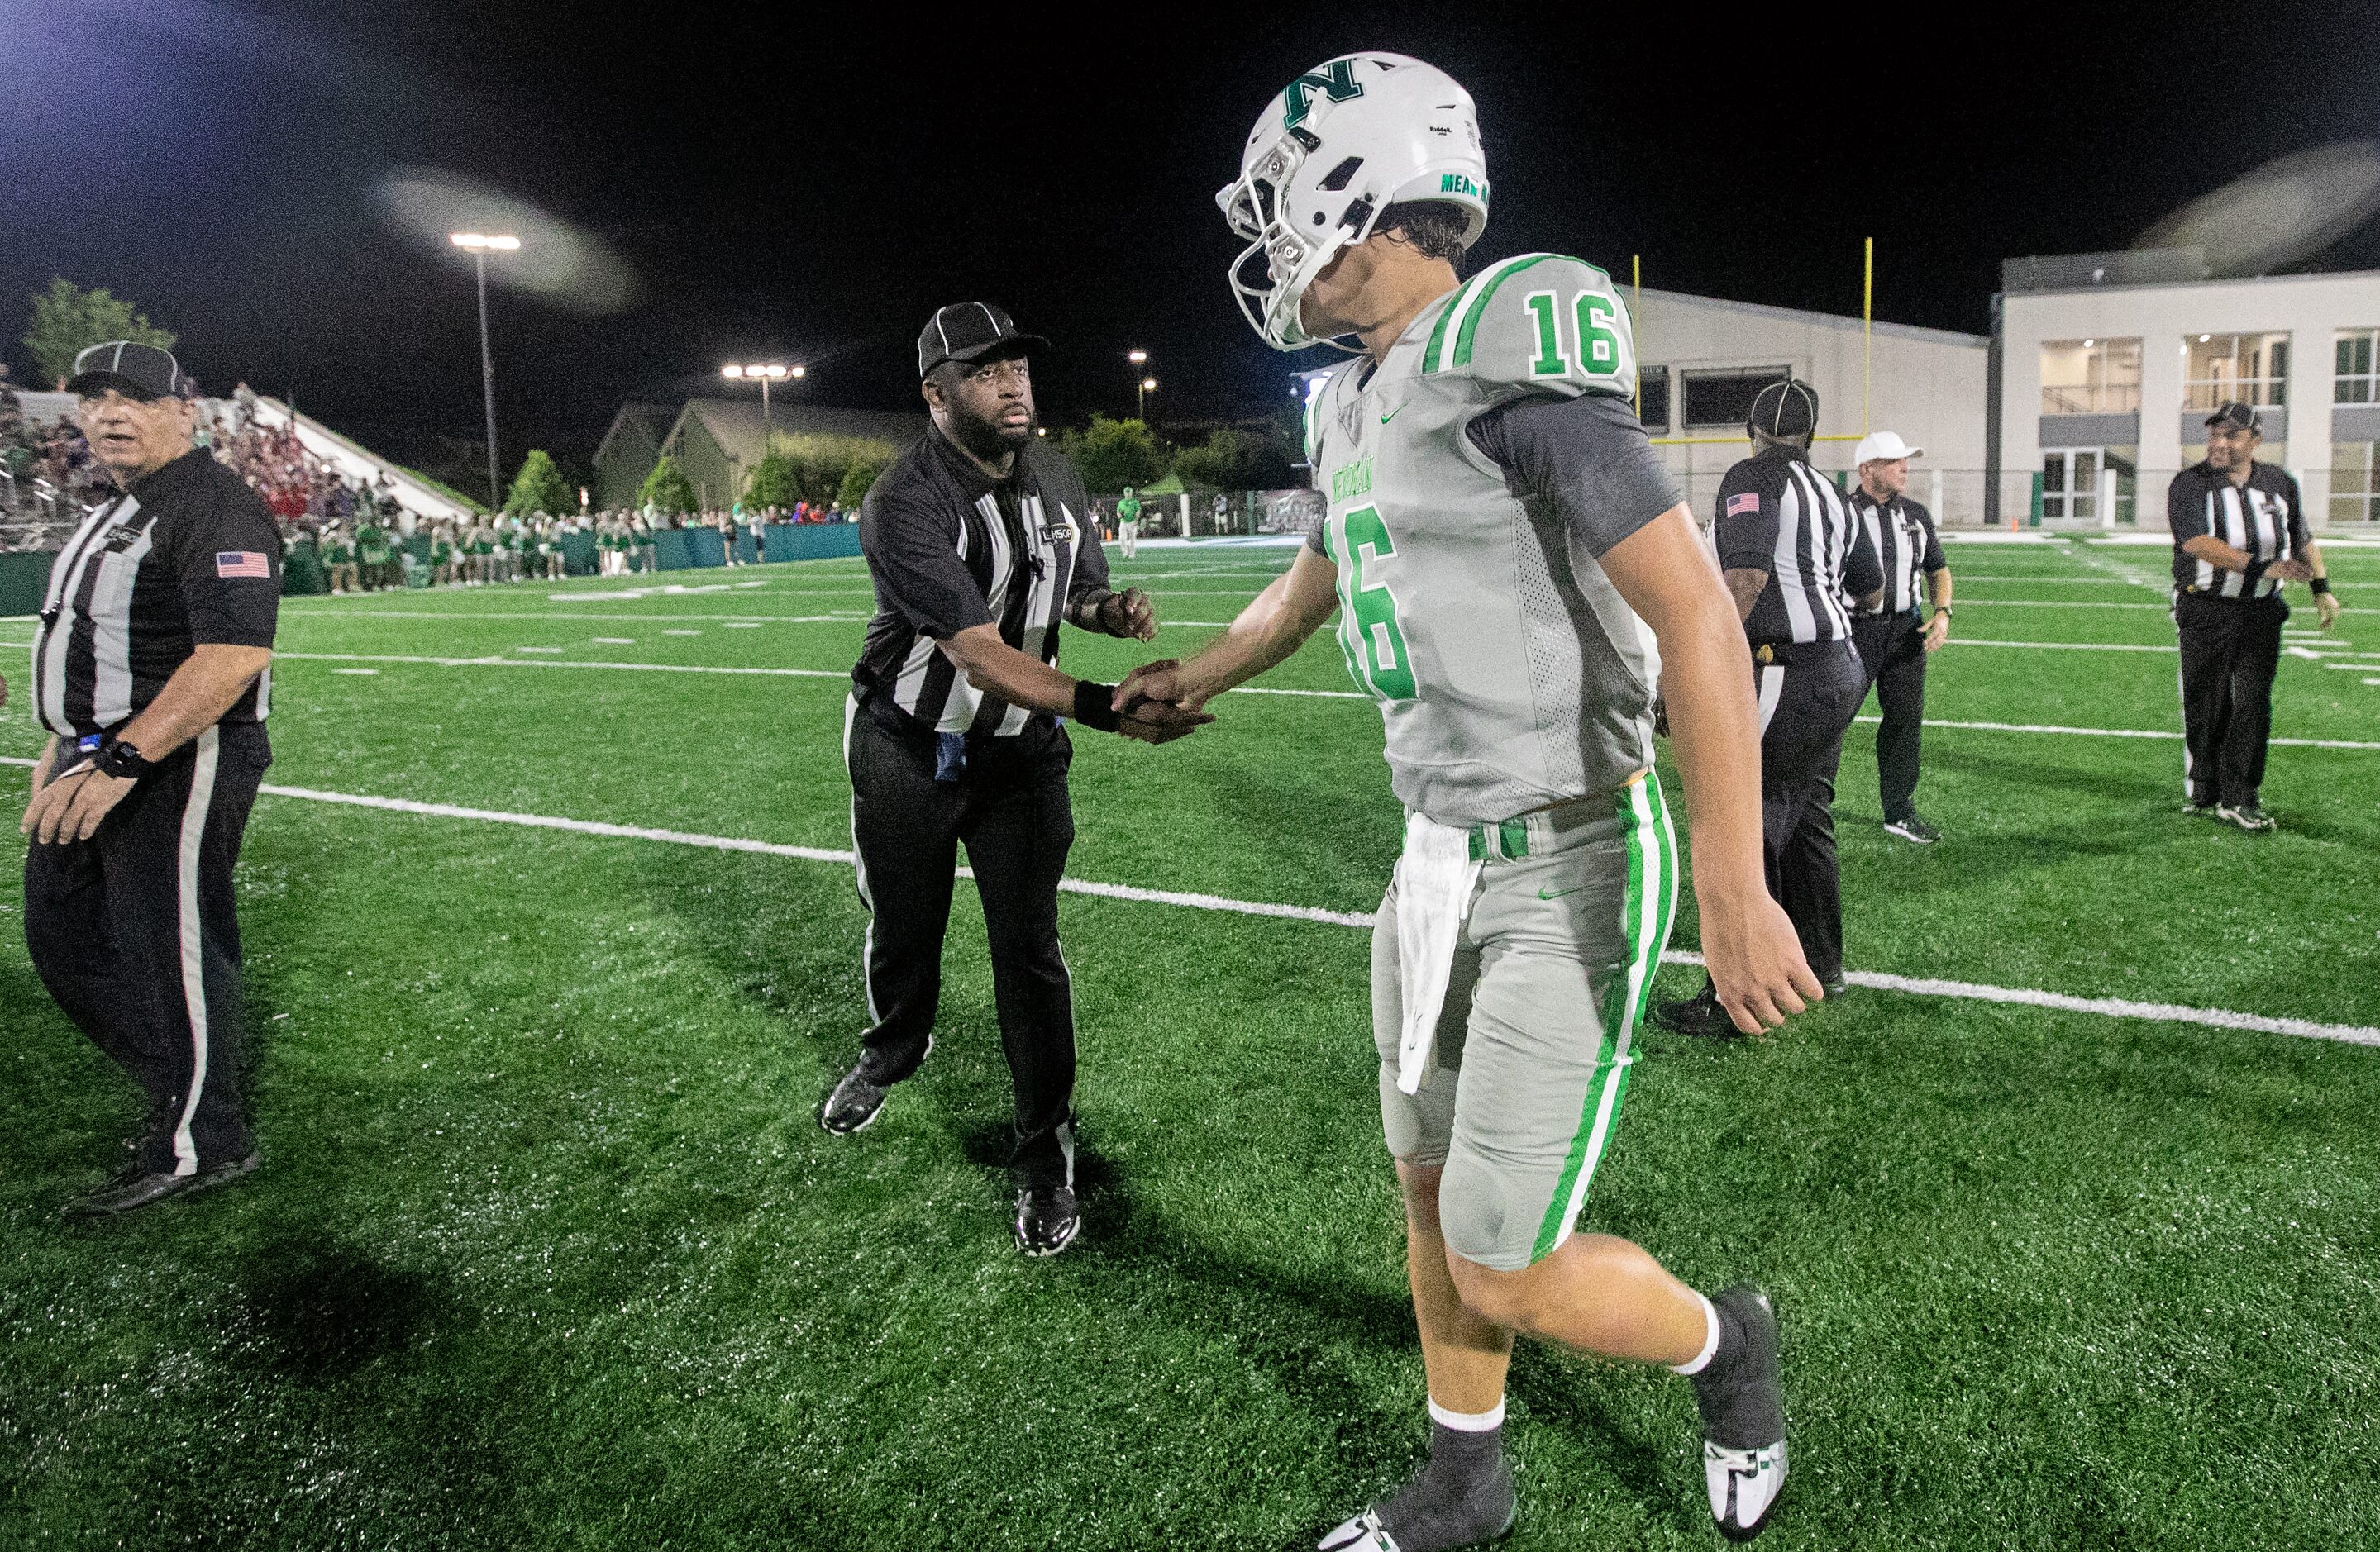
point(1706, 359)
point(2107, 365)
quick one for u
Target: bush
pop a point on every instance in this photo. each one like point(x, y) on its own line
point(857, 479)
point(818, 466)
point(667, 490)
point(1233, 460)
point(539, 488)
point(773, 483)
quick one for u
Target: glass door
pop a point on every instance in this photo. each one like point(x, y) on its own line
point(2069, 483)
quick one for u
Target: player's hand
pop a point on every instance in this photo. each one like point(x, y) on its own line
point(1161, 681)
point(1756, 964)
point(1155, 722)
point(1937, 631)
point(2325, 607)
point(2290, 571)
point(70, 807)
point(1130, 614)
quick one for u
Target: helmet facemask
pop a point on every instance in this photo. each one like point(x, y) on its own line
point(1271, 274)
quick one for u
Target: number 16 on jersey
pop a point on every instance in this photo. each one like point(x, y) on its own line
point(1369, 636)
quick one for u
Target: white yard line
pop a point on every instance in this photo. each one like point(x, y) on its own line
point(560, 662)
point(2217, 1018)
point(845, 617)
point(2126, 732)
point(2062, 646)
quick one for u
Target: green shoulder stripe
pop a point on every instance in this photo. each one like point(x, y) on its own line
point(1470, 329)
point(1433, 355)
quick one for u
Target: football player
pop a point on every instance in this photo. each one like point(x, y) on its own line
point(1513, 573)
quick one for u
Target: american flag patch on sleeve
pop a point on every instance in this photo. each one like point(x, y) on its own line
point(1748, 502)
point(243, 563)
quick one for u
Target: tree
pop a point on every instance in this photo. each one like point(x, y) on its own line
point(1233, 460)
point(858, 479)
point(1115, 454)
point(539, 488)
point(774, 482)
point(667, 490)
point(67, 320)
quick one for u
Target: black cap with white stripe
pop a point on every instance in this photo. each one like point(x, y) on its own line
point(1787, 410)
point(2238, 416)
point(138, 372)
point(968, 332)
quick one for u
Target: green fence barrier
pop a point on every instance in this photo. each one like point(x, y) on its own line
point(25, 581)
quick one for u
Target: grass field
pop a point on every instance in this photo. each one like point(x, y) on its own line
point(548, 1251)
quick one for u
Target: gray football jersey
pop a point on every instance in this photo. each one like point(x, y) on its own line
point(1510, 672)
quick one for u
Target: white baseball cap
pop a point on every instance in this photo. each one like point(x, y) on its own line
point(1884, 445)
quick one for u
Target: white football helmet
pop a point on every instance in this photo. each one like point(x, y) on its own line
point(1341, 144)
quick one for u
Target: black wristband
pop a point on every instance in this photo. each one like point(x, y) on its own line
point(1095, 706)
point(122, 761)
point(2320, 585)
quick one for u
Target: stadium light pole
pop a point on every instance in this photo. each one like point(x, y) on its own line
point(1139, 359)
point(1148, 387)
point(774, 372)
point(480, 245)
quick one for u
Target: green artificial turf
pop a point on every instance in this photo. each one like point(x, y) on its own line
point(548, 1251)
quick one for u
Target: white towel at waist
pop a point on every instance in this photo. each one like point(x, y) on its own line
point(1434, 881)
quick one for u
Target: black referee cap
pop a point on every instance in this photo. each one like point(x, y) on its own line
point(2231, 412)
point(968, 332)
point(1786, 409)
point(138, 372)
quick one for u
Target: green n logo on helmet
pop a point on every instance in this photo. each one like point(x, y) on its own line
point(1337, 81)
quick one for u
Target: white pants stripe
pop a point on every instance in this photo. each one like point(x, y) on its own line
point(194, 981)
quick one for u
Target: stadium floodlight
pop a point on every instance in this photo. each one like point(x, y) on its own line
point(765, 374)
point(1137, 357)
point(799, 370)
point(480, 245)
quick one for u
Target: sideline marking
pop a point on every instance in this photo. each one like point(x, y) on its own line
point(559, 662)
point(2112, 1007)
point(2128, 732)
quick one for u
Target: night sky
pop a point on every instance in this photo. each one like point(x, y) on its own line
point(786, 181)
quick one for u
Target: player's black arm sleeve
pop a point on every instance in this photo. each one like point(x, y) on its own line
point(1586, 457)
point(912, 550)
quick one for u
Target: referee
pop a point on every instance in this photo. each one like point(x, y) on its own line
point(980, 540)
point(1894, 640)
point(2238, 532)
point(1795, 564)
point(152, 671)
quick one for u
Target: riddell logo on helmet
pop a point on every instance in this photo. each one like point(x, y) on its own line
point(1337, 81)
point(1455, 183)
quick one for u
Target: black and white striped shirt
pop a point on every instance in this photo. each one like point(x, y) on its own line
point(1907, 548)
point(2266, 518)
point(186, 557)
point(1777, 515)
point(948, 549)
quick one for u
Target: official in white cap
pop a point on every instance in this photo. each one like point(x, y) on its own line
point(1892, 637)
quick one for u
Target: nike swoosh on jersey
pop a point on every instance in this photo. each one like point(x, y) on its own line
point(1387, 415)
point(1556, 894)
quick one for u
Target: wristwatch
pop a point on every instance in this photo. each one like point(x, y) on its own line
point(122, 761)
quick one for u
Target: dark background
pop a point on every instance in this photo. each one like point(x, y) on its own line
point(788, 181)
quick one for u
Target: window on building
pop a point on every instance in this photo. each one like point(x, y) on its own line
point(2253, 368)
point(2090, 376)
point(1724, 398)
point(2355, 482)
point(1653, 398)
point(2353, 379)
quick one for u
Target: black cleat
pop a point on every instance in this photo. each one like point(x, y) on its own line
point(1912, 827)
point(137, 1188)
point(1835, 986)
point(1046, 1219)
point(1743, 1409)
point(853, 1106)
point(1699, 1015)
point(2247, 816)
point(2197, 811)
point(1421, 1519)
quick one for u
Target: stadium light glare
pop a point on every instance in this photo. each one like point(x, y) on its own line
point(481, 242)
point(731, 371)
point(800, 370)
point(1135, 356)
point(775, 370)
point(767, 374)
point(1148, 385)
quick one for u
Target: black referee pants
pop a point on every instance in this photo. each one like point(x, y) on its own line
point(1892, 651)
point(1010, 809)
point(2230, 650)
point(135, 933)
point(1805, 704)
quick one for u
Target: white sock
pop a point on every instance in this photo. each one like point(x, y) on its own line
point(1469, 1422)
point(1710, 1341)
